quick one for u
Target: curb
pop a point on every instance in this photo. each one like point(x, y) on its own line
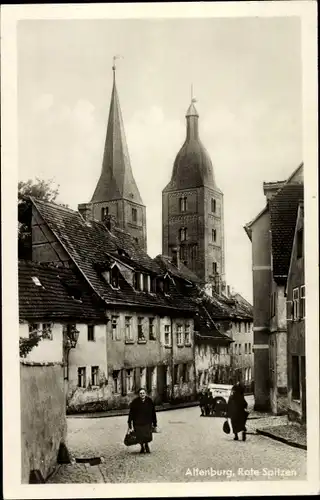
point(124, 412)
point(281, 439)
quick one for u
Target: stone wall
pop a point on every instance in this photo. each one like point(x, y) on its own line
point(43, 417)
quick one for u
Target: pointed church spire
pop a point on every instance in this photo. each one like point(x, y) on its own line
point(116, 180)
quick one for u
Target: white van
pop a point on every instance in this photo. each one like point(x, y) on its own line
point(220, 394)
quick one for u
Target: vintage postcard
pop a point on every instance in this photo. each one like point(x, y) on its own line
point(160, 249)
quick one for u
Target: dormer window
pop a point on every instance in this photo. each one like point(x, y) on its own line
point(183, 234)
point(153, 285)
point(166, 285)
point(114, 277)
point(146, 283)
point(213, 205)
point(183, 204)
point(137, 281)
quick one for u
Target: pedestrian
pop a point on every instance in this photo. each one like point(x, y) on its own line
point(203, 402)
point(142, 416)
point(237, 411)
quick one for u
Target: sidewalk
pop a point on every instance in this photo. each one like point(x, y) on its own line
point(125, 411)
point(290, 433)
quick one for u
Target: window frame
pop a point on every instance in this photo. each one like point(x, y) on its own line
point(134, 215)
point(152, 333)
point(214, 235)
point(91, 333)
point(302, 307)
point(94, 376)
point(295, 300)
point(129, 376)
point(128, 327)
point(82, 376)
point(179, 335)
point(187, 334)
point(116, 335)
point(116, 382)
point(167, 332)
point(48, 335)
point(141, 335)
point(213, 205)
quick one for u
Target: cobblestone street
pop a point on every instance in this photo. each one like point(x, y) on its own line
point(186, 446)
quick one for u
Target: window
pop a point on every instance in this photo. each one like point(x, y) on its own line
point(183, 204)
point(104, 212)
point(250, 349)
point(115, 328)
point(302, 302)
point(137, 281)
point(116, 381)
point(214, 235)
point(295, 304)
point(235, 348)
point(153, 285)
point(183, 234)
point(146, 283)
point(239, 349)
point(94, 375)
point(299, 243)
point(295, 378)
point(114, 277)
point(91, 336)
point(187, 339)
point(134, 214)
point(179, 335)
point(289, 310)
point(47, 331)
point(153, 377)
point(152, 334)
point(246, 348)
point(81, 376)
point(239, 327)
point(34, 328)
point(176, 374)
point(185, 373)
point(213, 205)
point(129, 380)
point(214, 267)
point(140, 329)
point(167, 335)
point(128, 330)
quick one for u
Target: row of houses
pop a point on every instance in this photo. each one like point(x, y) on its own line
point(279, 294)
point(134, 321)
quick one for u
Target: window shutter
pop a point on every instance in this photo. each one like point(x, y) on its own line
point(289, 310)
point(123, 382)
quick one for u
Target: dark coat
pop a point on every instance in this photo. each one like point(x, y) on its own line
point(142, 416)
point(142, 413)
point(237, 411)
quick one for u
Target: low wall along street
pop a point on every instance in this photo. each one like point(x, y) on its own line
point(43, 417)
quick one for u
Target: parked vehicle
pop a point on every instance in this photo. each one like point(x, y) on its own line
point(220, 395)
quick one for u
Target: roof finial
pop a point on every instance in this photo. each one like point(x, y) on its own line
point(193, 99)
point(114, 65)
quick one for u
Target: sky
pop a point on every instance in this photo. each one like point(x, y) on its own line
point(246, 77)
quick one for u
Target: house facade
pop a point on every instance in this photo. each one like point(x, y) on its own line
point(296, 309)
point(271, 234)
point(47, 308)
point(148, 335)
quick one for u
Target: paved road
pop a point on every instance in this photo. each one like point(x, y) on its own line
point(189, 448)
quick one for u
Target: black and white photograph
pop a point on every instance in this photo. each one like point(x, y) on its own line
point(161, 313)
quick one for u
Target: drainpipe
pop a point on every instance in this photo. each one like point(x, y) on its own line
point(172, 362)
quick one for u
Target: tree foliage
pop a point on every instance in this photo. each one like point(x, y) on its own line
point(41, 189)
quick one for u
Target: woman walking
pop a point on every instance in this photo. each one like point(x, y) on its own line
point(237, 411)
point(142, 417)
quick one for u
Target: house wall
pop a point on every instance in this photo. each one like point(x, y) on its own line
point(43, 417)
point(261, 272)
point(115, 356)
point(296, 334)
point(242, 363)
point(46, 350)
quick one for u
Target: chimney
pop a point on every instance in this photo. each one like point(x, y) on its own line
point(85, 211)
point(110, 222)
point(176, 257)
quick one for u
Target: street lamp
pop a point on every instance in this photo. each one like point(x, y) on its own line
point(70, 339)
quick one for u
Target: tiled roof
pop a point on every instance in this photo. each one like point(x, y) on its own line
point(46, 293)
point(283, 214)
point(182, 272)
point(90, 243)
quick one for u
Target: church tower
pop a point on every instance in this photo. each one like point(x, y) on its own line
point(116, 193)
point(192, 209)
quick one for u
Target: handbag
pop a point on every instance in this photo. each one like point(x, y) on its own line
point(226, 427)
point(130, 438)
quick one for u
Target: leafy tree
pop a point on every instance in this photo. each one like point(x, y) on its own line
point(41, 189)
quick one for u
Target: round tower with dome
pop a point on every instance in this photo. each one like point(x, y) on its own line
point(192, 209)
